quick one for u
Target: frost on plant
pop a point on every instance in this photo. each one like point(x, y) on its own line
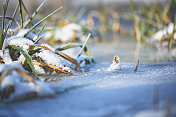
point(115, 64)
point(22, 53)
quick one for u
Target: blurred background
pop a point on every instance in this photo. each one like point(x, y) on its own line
point(128, 28)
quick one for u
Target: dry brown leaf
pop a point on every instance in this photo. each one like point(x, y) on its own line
point(52, 66)
point(24, 75)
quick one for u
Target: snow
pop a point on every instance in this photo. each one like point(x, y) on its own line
point(99, 89)
point(12, 65)
point(98, 92)
point(53, 59)
point(151, 114)
point(47, 56)
point(81, 60)
point(39, 70)
point(115, 64)
point(21, 88)
point(31, 36)
point(162, 33)
point(19, 40)
point(14, 80)
point(6, 57)
point(66, 33)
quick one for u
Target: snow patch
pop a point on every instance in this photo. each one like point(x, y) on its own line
point(162, 33)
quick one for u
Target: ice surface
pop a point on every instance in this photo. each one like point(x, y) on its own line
point(99, 93)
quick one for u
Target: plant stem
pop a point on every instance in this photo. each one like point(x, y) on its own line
point(136, 26)
point(33, 15)
point(10, 23)
point(21, 13)
point(42, 20)
point(84, 45)
point(2, 24)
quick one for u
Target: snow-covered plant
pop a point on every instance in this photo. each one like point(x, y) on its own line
point(115, 64)
point(25, 49)
point(67, 32)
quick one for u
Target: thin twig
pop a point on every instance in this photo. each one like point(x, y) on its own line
point(33, 15)
point(42, 20)
point(10, 23)
point(84, 45)
point(21, 13)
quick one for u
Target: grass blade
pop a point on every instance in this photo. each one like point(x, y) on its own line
point(42, 20)
point(136, 68)
point(25, 9)
point(38, 39)
point(2, 24)
point(42, 29)
point(165, 12)
point(174, 3)
point(28, 58)
point(10, 23)
point(68, 47)
point(24, 75)
point(13, 20)
point(84, 44)
point(33, 15)
point(68, 58)
point(77, 45)
point(52, 67)
point(171, 38)
point(21, 13)
point(136, 26)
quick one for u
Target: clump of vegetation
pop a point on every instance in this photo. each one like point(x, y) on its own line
point(22, 53)
point(64, 31)
point(155, 22)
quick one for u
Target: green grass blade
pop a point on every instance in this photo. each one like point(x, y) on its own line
point(37, 24)
point(28, 58)
point(38, 39)
point(136, 25)
point(68, 47)
point(171, 38)
point(174, 3)
point(10, 23)
point(84, 44)
point(21, 13)
point(73, 19)
point(25, 9)
point(136, 68)
point(5, 5)
point(87, 52)
point(166, 9)
point(43, 27)
point(33, 15)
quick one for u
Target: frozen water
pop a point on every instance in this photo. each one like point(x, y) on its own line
point(119, 93)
